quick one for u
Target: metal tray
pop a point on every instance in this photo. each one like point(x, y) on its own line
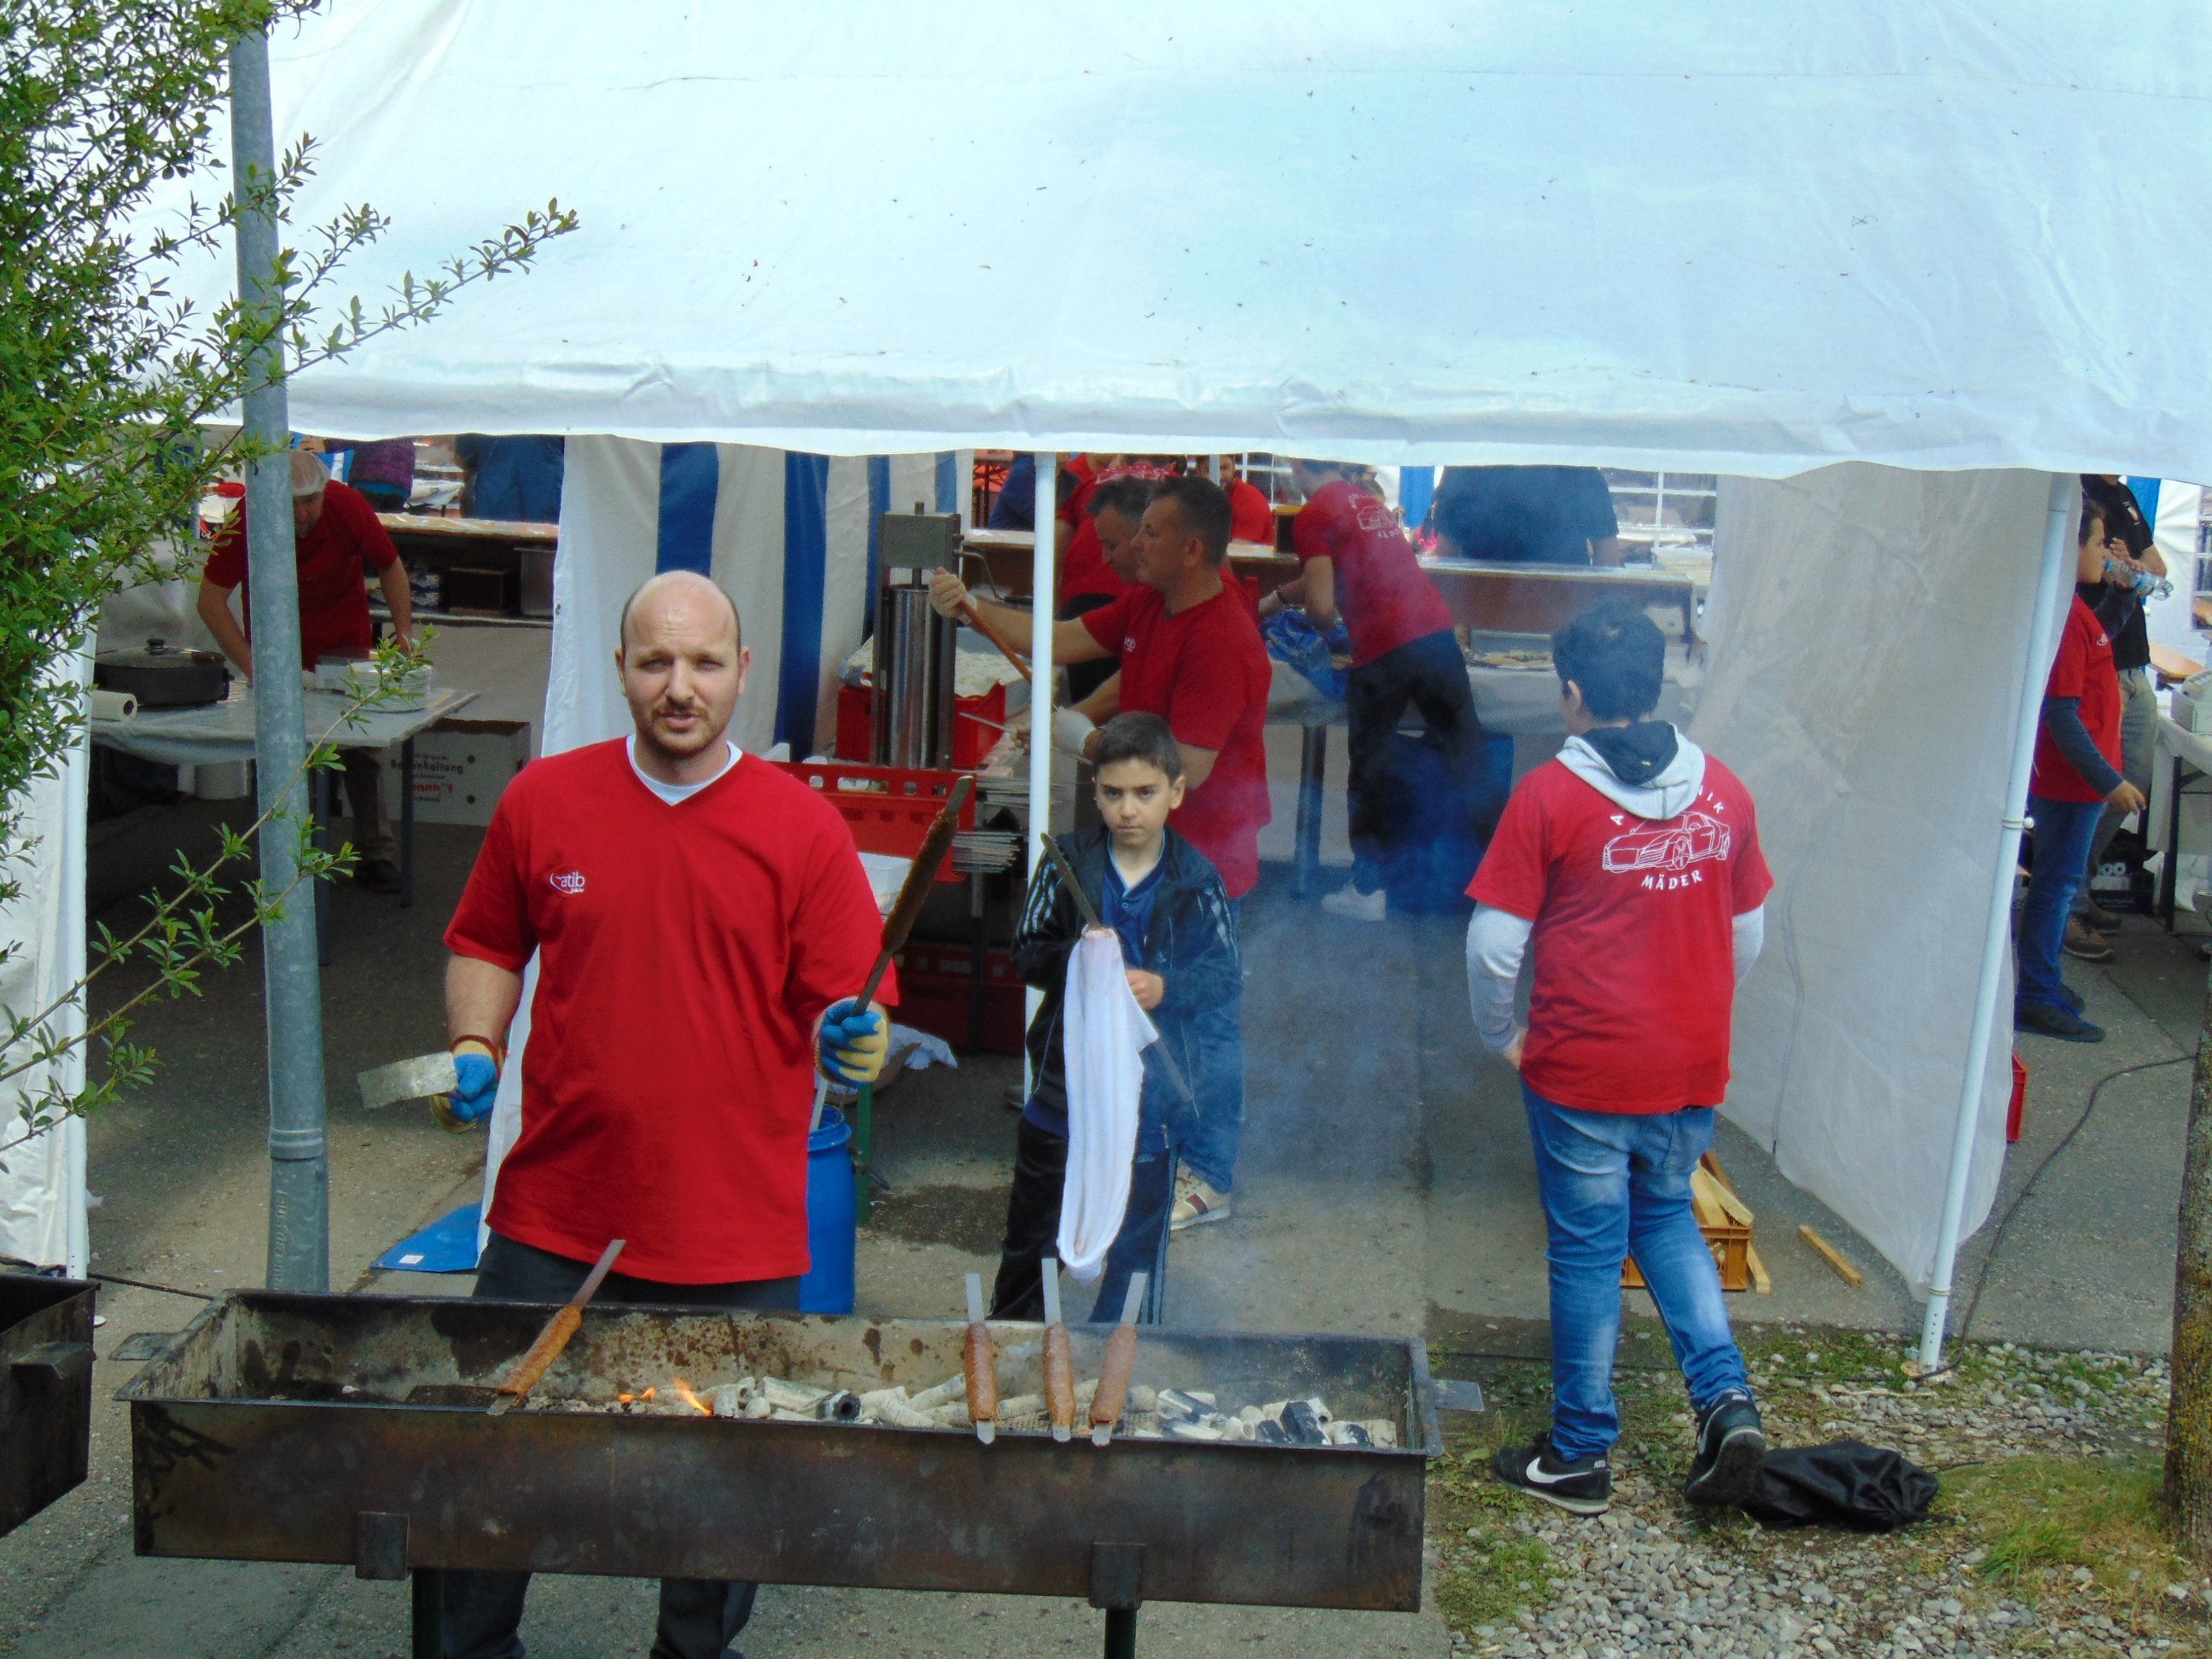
point(279, 1428)
point(45, 1407)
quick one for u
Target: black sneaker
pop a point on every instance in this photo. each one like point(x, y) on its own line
point(1731, 1446)
point(1585, 1487)
point(2045, 1020)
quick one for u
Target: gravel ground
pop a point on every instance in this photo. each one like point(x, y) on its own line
point(1519, 1578)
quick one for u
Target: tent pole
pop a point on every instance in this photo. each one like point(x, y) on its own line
point(1042, 606)
point(2042, 624)
point(299, 1168)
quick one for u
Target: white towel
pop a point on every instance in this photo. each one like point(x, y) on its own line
point(1103, 1034)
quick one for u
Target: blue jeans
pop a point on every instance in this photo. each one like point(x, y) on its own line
point(2063, 829)
point(1616, 1185)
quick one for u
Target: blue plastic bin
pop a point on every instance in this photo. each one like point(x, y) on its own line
point(831, 1225)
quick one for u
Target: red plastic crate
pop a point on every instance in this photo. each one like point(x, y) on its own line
point(977, 723)
point(889, 807)
point(933, 993)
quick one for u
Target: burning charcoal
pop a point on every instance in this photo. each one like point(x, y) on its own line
point(784, 1396)
point(1022, 1405)
point(1319, 1408)
point(1379, 1432)
point(1250, 1417)
point(1299, 1424)
point(953, 1414)
point(1270, 1433)
point(897, 1414)
point(727, 1400)
point(1273, 1410)
point(1349, 1434)
point(1180, 1403)
point(1086, 1391)
point(952, 1389)
point(874, 1398)
point(843, 1406)
point(1143, 1397)
point(1185, 1430)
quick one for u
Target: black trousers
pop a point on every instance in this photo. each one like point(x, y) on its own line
point(1429, 673)
point(698, 1617)
point(1085, 677)
point(1033, 1227)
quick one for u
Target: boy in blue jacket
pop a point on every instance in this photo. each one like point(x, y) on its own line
point(1166, 901)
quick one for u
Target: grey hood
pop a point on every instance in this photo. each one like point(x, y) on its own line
point(1666, 792)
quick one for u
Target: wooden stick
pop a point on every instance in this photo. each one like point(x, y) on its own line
point(1760, 1280)
point(541, 1354)
point(981, 1366)
point(1116, 1368)
point(1834, 1257)
point(1059, 1357)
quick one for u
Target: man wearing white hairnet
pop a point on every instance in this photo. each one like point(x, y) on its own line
point(339, 545)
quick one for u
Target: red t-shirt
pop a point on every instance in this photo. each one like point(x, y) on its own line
point(1206, 673)
point(2084, 669)
point(1386, 596)
point(336, 558)
point(1083, 567)
point(1250, 518)
point(685, 953)
point(1634, 946)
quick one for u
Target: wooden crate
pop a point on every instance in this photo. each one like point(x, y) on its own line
point(1726, 1225)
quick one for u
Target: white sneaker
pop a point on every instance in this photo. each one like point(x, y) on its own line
point(1349, 900)
point(1195, 1202)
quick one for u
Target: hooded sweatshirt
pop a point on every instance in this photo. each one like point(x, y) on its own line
point(1655, 775)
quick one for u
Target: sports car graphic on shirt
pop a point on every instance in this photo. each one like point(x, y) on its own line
point(1693, 838)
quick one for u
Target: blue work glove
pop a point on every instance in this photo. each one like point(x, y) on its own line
point(853, 1042)
point(476, 1085)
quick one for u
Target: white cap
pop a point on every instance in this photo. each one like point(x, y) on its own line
point(309, 474)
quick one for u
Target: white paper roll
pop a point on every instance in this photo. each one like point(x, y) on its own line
point(113, 705)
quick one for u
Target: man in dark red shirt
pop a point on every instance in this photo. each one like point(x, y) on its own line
point(339, 545)
point(701, 923)
point(1191, 653)
point(1631, 864)
point(1355, 562)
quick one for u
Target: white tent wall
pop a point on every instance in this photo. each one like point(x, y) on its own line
point(1869, 634)
point(42, 955)
point(2173, 618)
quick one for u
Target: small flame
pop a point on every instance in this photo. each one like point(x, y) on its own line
point(691, 1399)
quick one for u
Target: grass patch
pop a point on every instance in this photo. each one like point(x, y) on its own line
point(2041, 1517)
point(1489, 1572)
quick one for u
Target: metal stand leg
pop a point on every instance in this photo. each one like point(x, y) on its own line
point(427, 1588)
point(323, 803)
point(1313, 768)
point(975, 960)
point(407, 823)
point(864, 1138)
point(1121, 1633)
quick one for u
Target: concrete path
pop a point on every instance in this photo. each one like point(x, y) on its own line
point(1386, 1187)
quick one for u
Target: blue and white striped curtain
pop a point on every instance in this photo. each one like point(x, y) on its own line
point(792, 536)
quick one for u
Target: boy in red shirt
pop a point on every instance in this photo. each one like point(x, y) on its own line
point(1632, 863)
point(2077, 773)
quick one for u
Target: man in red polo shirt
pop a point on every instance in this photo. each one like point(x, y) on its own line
point(701, 923)
point(1354, 561)
point(339, 545)
point(1191, 653)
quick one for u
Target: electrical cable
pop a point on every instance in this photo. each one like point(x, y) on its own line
point(2019, 1198)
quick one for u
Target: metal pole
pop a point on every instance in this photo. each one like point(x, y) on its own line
point(2057, 521)
point(1042, 578)
point(298, 1171)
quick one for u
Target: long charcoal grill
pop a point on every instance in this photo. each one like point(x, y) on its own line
point(45, 1392)
point(323, 1429)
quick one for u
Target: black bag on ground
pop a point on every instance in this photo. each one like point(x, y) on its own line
point(1846, 1484)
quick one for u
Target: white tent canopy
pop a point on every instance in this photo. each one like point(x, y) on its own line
point(1733, 238)
point(1742, 238)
